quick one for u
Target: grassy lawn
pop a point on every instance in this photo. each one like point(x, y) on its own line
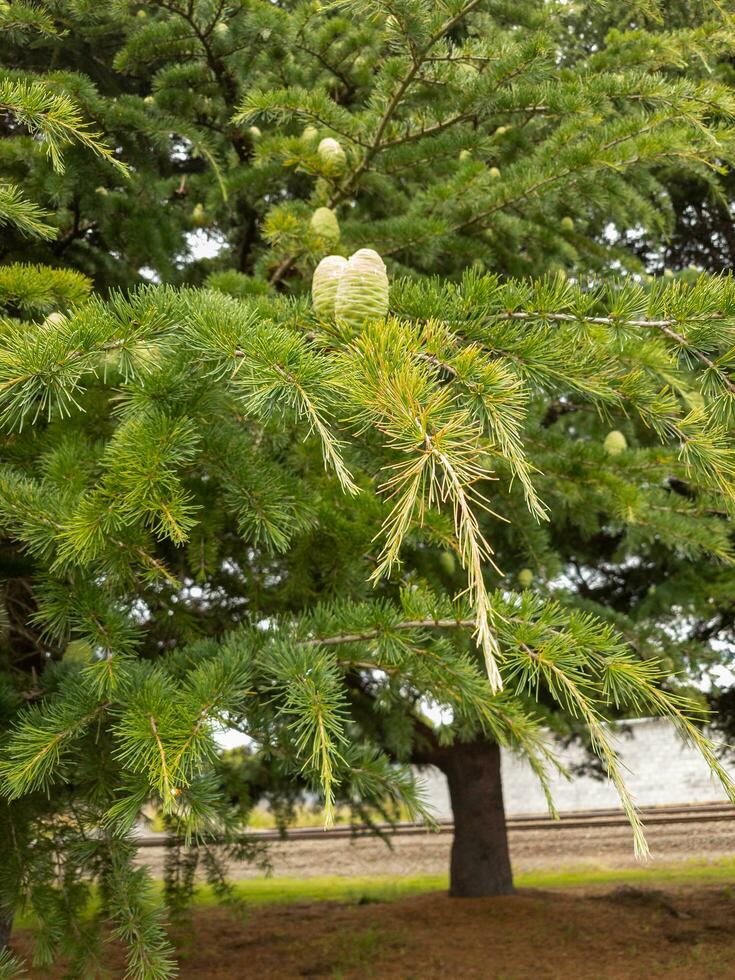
point(674, 924)
point(385, 888)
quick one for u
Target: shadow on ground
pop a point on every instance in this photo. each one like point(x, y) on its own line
point(602, 933)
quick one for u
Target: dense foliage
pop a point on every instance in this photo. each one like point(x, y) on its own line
point(219, 508)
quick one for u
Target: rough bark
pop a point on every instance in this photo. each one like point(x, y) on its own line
point(480, 862)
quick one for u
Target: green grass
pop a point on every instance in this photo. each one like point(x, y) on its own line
point(386, 888)
point(369, 888)
point(389, 888)
point(682, 873)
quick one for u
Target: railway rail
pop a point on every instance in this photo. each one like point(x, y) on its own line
point(695, 813)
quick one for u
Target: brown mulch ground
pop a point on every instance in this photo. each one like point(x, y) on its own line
point(683, 933)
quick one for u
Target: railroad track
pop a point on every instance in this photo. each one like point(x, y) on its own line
point(570, 820)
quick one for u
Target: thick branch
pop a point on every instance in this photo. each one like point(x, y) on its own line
point(407, 624)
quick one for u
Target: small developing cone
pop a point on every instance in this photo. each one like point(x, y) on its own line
point(525, 578)
point(332, 156)
point(615, 443)
point(199, 216)
point(324, 285)
point(54, 320)
point(324, 223)
point(78, 652)
point(447, 562)
point(362, 293)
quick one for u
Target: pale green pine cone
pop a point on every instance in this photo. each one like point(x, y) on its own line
point(525, 578)
point(324, 285)
point(54, 320)
point(362, 293)
point(615, 443)
point(332, 156)
point(324, 223)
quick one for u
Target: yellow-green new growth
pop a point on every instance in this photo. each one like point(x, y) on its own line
point(615, 443)
point(324, 223)
point(324, 285)
point(362, 292)
point(332, 156)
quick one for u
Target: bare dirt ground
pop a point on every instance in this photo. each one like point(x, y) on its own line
point(574, 934)
point(531, 850)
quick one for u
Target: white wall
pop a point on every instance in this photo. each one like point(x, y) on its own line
point(661, 769)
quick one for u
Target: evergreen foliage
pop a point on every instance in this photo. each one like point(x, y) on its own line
point(686, 607)
point(219, 508)
point(562, 119)
point(53, 120)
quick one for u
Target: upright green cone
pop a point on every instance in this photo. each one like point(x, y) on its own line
point(199, 216)
point(615, 443)
point(324, 223)
point(332, 156)
point(362, 293)
point(324, 285)
point(525, 578)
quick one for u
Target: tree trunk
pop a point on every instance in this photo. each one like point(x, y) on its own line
point(480, 864)
point(6, 924)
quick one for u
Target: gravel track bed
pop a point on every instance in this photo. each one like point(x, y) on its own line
point(555, 848)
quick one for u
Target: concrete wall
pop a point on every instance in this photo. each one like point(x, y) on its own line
point(661, 769)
